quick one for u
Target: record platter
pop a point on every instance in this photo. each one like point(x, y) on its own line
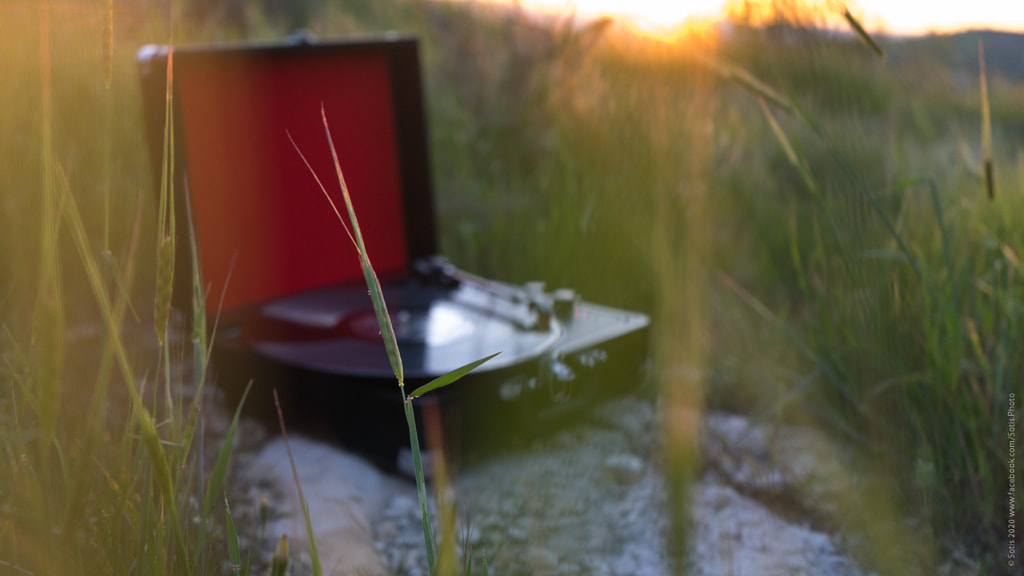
point(294, 312)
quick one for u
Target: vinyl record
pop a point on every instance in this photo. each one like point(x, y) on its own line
point(334, 330)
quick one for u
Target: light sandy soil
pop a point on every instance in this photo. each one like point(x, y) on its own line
point(590, 500)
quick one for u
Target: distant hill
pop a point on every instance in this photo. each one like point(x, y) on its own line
point(1004, 51)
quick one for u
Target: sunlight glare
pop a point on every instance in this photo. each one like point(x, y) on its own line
point(646, 14)
point(893, 16)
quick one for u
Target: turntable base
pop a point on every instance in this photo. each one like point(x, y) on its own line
point(323, 353)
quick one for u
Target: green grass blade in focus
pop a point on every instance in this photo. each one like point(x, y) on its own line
point(376, 294)
point(388, 335)
point(391, 345)
point(233, 553)
point(449, 378)
point(213, 490)
point(421, 488)
point(387, 331)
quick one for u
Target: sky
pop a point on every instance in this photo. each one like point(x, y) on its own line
point(892, 16)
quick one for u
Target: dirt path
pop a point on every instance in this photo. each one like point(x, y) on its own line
point(590, 500)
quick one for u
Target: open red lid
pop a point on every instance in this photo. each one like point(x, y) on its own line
point(259, 214)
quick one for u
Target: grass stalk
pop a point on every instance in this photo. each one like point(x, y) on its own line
point(151, 439)
point(390, 341)
point(48, 316)
point(314, 555)
point(986, 124)
point(855, 25)
point(165, 215)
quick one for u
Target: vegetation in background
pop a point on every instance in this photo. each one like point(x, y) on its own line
point(860, 279)
point(99, 474)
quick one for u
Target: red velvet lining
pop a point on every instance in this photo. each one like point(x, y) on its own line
point(252, 197)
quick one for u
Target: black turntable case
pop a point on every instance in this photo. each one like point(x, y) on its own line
point(294, 312)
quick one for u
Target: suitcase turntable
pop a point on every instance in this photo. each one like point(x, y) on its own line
point(295, 313)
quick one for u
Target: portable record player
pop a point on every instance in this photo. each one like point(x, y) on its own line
point(294, 312)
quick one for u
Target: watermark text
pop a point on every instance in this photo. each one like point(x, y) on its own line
point(1011, 489)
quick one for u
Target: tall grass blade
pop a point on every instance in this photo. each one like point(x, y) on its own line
point(200, 359)
point(233, 553)
point(787, 147)
point(16, 569)
point(320, 184)
point(387, 331)
point(986, 124)
point(200, 351)
point(48, 314)
point(150, 437)
point(862, 33)
point(390, 341)
point(391, 345)
point(221, 467)
point(944, 230)
point(1012, 258)
point(119, 275)
point(445, 505)
point(449, 378)
point(421, 487)
point(98, 402)
point(317, 570)
point(376, 294)
point(165, 215)
point(108, 45)
point(977, 347)
point(745, 79)
point(822, 364)
point(108, 143)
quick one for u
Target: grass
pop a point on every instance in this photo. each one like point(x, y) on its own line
point(879, 295)
point(100, 472)
point(843, 252)
point(387, 331)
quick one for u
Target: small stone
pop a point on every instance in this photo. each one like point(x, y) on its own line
point(509, 508)
point(542, 560)
point(721, 500)
point(566, 439)
point(599, 569)
point(625, 468)
point(403, 505)
point(387, 531)
point(634, 416)
point(565, 569)
point(625, 566)
point(517, 534)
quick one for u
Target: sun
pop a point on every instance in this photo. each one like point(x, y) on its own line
point(664, 20)
point(647, 14)
point(656, 13)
